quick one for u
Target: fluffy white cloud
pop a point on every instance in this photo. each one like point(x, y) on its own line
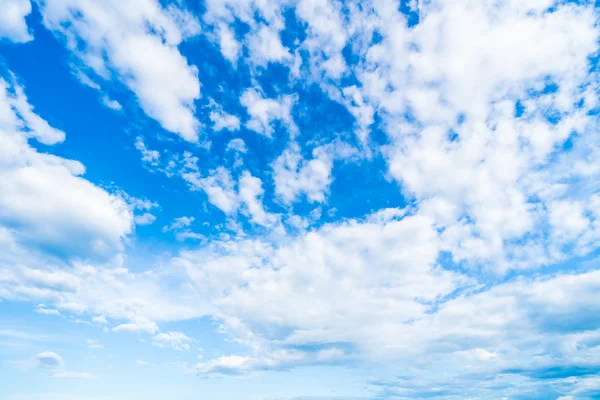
point(44, 201)
point(476, 101)
point(294, 175)
point(264, 111)
point(151, 157)
point(265, 47)
point(221, 120)
point(237, 145)
point(251, 194)
point(12, 20)
point(385, 271)
point(448, 102)
point(230, 47)
point(230, 196)
point(139, 45)
point(112, 104)
point(219, 186)
point(144, 219)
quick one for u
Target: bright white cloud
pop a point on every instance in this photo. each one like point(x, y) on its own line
point(44, 201)
point(475, 101)
point(265, 46)
point(111, 103)
point(12, 20)
point(139, 44)
point(295, 176)
point(251, 194)
point(237, 145)
point(230, 196)
point(264, 111)
point(221, 120)
point(151, 157)
point(230, 47)
point(144, 219)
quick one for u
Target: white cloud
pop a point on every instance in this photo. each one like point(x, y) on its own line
point(41, 309)
point(140, 45)
point(264, 111)
point(233, 365)
point(12, 20)
point(152, 157)
point(486, 189)
point(138, 325)
point(178, 223)
point(221, 120)
point(144, 219)
point(48, 359)
point(251, 194)
point(257, 284)
point(176, 340)
point(265, 46)
point(111, 103)
point(44, 201)
point(237, 145)
point(218, 186)
point(294, 175)
point(100, 319)
point(461, 154)
point(230, 196)
point(326, 36)
point(230, 47)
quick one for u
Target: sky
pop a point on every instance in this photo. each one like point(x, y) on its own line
point(299, 199)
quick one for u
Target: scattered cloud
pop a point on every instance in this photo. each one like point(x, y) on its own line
point(175, 340)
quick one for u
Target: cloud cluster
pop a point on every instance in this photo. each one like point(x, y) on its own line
point(484, 113)
point(137, 45)
point(44, 200)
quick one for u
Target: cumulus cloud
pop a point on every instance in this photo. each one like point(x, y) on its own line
point(264, 111)
point(295, 176)
point(237, 145)
point(144, 219)
point(483, 113)
point(44, 200)
point(221, 120)
point(265, 47)
point(139, 45)
point(12, 20)
point(230, 196)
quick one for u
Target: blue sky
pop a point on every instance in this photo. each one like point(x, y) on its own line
point(299, 199)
